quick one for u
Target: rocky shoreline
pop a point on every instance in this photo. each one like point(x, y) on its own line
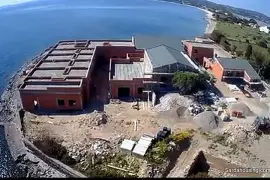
point(28, 164)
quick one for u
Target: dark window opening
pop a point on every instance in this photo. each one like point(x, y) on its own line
point(163, 79)
point(140, 90)
point(61, 102)
point(123, 92)
point(237, 74)
point(72, 103)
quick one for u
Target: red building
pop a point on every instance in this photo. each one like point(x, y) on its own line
point(72, 73)
point(197, 51)
point(228, 68)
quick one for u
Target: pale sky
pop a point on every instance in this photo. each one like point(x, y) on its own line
point(10, 2)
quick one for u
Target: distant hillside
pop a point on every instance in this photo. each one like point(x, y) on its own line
point(224, 8)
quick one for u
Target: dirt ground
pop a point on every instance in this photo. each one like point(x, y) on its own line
point(249, 152)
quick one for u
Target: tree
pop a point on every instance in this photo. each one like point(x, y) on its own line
point(216, 36)
point(188, 82)
point(248, 52)
point(252, 21)
point(234, 47)
point(262, 44)
point(268, 50)
point(260, 61)
point(247, 41)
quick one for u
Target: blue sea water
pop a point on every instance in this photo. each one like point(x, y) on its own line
point(29, 28)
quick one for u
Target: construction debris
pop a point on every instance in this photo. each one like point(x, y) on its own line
point(239, 134)
point(207, 121)
point(172, 100)
point(96, 118)
point(195, 109)
point(115, 101)
point(261, 124)
point(240, 110)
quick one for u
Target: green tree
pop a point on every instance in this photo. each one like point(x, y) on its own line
point(189, 81)
point(234, 47)
point(262, 44)
point(248, 52)
point(268, 50)
point(216, 36)
point(260, 61)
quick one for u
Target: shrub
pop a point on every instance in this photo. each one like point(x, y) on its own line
point(239, 53)
point(181, 136)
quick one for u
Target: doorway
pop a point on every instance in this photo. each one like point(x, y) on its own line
point(123, 92)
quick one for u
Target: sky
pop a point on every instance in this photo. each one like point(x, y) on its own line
point(11, 2)
point(262, 6)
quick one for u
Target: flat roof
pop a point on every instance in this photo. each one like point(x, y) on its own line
point(239, 64)
point(217, 50)
point(128, 71)
point(66, 64)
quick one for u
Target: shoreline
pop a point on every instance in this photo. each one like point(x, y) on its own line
point(23, 158)
point(211, 23)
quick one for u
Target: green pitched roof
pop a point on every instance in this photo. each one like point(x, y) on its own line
point(240, 64)
point(163, 55)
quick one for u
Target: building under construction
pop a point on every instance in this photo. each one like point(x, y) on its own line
point(72, 73)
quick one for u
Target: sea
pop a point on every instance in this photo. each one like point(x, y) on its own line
point(28, 28)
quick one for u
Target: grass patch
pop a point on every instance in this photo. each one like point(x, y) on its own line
point(241, 36)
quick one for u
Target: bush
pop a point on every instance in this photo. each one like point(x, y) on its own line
point(239, 53)
point(184, 135)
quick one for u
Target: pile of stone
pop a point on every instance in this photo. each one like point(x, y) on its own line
point(195, 109)
point(172, 100)
point(96, 118)
point(207, 121)
point(94, 147)
point(236, 133)
point(115, 101)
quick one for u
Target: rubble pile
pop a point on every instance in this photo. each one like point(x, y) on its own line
point(207, 121)
point(172, 100)
point(115, 101)
point(94, 147)
point(239, 134)
point(241, 107)
point(96, 118)
point(195, 109)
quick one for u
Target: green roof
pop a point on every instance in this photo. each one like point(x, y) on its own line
point(239, 64)
point(163, 55)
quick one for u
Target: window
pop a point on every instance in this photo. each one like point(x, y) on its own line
point(72, 103)
point(195, 51)
point(237, 74)
point(140, 90)
point(61, 102)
